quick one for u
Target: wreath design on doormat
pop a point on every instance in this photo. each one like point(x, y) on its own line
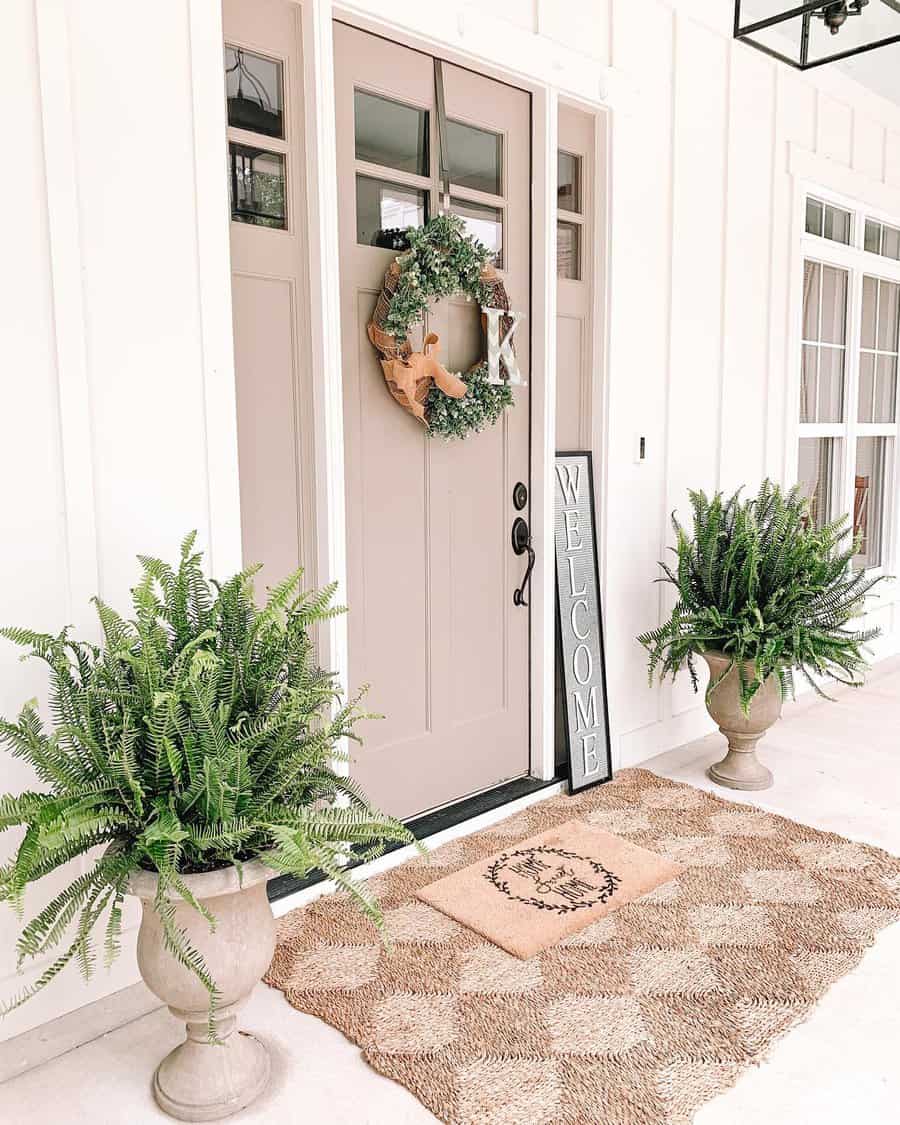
point(442, 260)
point(581, 895)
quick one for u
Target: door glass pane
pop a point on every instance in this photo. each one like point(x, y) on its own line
point(257, 186)
point(873, 237)
point(254, 92)
point(390, 133)
point(866, 387)
point(484, 224)
point(384, 211)
point(890, 245)
point(815, 214)
point(888, 315)
point(568, 251)
point(568, 189)
point(869, 312)
point(817, 476)
point(886, 389)
point(868, 501)
point(837, 224)
point(809, 383)
point(834, 305)
point(831, 385)
point(812, 280)
point(476, 158)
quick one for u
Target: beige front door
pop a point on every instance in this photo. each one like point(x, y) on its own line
point(431, 570)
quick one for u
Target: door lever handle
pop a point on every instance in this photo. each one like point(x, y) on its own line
point(521, 542)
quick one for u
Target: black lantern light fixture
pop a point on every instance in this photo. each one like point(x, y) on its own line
point(814, 33)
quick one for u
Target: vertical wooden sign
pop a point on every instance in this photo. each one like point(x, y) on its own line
point(580, 624)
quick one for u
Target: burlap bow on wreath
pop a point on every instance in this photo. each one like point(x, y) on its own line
point(442, 260)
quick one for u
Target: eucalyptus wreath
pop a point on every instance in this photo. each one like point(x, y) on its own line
point(442, 260)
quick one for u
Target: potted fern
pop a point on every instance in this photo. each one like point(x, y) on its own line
point(191, 757)
point(762, 593)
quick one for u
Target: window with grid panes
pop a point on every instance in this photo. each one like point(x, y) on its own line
point(848, 367)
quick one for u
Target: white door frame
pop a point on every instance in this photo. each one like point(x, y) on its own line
point(509, 54)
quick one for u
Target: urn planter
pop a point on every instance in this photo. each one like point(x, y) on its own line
point(201, 1081)
point(740, 768)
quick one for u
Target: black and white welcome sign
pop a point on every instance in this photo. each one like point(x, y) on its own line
point(586, 718)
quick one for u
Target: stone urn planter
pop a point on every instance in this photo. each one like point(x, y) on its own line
point(740, 768)
point(200, 1081)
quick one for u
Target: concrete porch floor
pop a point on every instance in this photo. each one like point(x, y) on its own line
point(836, 767)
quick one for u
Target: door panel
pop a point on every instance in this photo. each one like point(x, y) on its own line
point(431, 572)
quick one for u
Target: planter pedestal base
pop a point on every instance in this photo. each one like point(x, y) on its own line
point(200, 1081)
point(740, 769)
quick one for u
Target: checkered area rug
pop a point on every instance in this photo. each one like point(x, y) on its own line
point(636, 1020)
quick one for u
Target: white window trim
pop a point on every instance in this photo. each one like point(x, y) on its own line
point(858, 262)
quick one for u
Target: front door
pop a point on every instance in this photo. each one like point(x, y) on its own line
point(431, 570)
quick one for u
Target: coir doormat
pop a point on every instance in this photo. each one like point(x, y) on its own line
point(528, 897)
point(638, 1018)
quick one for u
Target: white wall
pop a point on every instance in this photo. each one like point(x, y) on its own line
point(118, 430)
point(107, 357)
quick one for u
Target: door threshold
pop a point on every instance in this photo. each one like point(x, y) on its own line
point(431, 824)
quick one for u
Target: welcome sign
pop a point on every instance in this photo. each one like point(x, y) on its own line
point(580, 627)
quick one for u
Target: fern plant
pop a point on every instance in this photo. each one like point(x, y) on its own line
point(200, 734)
point(759, 582)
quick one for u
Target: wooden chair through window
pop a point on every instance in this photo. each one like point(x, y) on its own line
point(861, 512)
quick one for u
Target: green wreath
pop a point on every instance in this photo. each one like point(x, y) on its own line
point(441, 260)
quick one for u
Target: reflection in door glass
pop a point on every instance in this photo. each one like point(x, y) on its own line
point(257, 186)
point(384, 210)
point(476, 158)
point(483, 223)
point(390, 133)
point(568, 247)
point(253, 89)
point(568, 192)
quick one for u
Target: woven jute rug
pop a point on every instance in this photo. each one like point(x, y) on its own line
point(530, 896)
point(637, 1019)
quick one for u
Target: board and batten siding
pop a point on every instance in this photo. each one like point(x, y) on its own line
point(117, 391)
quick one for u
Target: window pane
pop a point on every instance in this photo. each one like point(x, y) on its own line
point(873, 237)
point(869, 500)
point(257, 186)
point(568, 251)
point(837, 224)
point(890, 246)
point(886, 389)
point(476, 158)
point(817, 476)
point(831, 385)
point(866, 387)
point(253, 90)
point(385, 210)
point(888, 315)
point(809, 383)
point(834, 305)
point(812, 280)
point(390, 133)
point(568, 191)
point(815, 214)
point(483, 223)
point(869, 312)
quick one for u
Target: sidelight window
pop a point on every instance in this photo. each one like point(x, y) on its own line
point(848, 376)
point(570, 220)
point(257, 152)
